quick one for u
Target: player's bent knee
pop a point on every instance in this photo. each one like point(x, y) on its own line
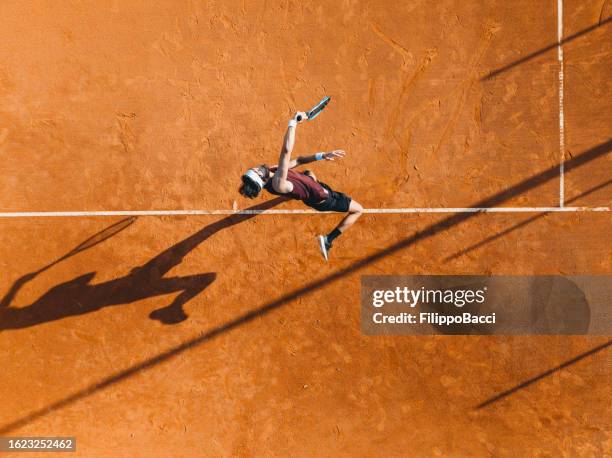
point(355, 208)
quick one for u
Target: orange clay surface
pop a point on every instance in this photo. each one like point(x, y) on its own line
point(153, 105)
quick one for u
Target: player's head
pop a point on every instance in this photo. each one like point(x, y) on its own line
point(254, 180)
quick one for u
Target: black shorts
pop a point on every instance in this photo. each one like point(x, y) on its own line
point(336, 202)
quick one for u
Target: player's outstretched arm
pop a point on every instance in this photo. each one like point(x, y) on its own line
point(279, 181)
point(321, 156)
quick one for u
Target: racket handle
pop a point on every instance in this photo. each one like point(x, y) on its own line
point(299, 118)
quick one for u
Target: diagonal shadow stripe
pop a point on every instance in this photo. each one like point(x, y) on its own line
point(441, 226)
point(526, 383)
point(545, 49)
point(521, 224)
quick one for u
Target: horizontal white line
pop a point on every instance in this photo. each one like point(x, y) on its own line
point(298, 212)
point(489, 210)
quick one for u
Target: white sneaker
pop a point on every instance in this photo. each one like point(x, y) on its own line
point(324, 246)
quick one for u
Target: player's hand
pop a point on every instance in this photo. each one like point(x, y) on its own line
point(337, 153)
point(300, 116)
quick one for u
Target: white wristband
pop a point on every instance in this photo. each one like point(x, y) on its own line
point(292, 123)
point(320, 156)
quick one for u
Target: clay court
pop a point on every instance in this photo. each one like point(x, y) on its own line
point(478, 138)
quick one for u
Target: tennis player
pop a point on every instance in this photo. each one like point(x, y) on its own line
point(282, 180)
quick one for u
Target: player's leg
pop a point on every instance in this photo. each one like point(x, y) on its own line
point(355, 210)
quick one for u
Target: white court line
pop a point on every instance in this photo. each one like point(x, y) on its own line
point(561, 114)
point(299, 212)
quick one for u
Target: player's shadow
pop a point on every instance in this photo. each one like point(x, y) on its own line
point(78, 296)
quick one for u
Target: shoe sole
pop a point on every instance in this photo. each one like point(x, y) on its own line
point(322, 246)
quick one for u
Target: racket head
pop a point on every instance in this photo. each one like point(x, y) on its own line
point(318, 108)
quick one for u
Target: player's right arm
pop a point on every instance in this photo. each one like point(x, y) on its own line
point(279, 181)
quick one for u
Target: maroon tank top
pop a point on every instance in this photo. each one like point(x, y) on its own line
point(304, 188)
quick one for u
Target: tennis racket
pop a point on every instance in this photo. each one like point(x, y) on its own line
point(316, 110)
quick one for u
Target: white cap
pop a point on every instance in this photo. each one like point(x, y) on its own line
point(253, 175)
